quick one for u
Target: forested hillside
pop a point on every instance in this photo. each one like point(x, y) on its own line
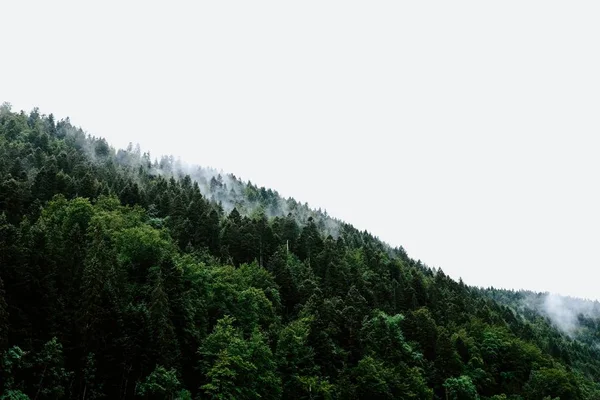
point(123, 277)
point(577, 318)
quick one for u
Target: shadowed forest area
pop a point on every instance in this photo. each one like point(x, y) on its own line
point(123, 277)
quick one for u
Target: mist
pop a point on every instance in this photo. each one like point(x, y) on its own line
point(225, 190)
point(569, 314)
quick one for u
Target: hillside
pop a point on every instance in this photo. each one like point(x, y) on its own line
point(578, 318)
point(124, 277)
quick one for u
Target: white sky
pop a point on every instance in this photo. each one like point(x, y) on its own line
point(465, 131)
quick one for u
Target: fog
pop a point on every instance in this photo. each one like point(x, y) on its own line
point(466, 132)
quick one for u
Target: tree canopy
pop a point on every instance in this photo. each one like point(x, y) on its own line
point(123, 277)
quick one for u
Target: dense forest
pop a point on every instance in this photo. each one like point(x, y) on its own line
point(575, 317)
point(123, 277)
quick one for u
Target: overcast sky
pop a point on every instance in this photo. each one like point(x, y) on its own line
point(465, 131)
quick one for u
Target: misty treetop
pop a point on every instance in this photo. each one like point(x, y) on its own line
point(123, 277)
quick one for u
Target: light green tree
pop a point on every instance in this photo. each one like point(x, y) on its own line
point(237, 367)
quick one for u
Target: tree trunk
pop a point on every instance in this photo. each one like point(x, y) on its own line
point(40, 384)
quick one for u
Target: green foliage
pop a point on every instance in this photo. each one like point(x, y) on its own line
point(14, 395)
point(238, 367)
point(553, 382)
point(12, 363)
point(91, 389)
point(296, 365)
point(162, 384)
point(375, 380)
point(123, 277)
point(461, 388)
point(49, 372)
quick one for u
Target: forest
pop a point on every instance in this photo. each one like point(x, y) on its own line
point(127, 277)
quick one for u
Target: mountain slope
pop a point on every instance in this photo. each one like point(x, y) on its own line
point(123, 277)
